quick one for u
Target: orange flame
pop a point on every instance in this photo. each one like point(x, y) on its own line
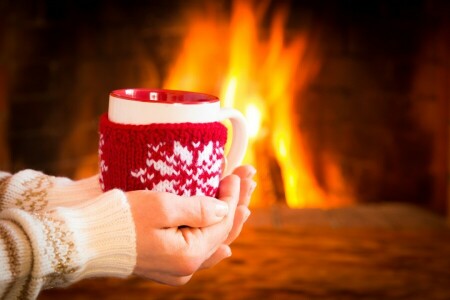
point(259, 76)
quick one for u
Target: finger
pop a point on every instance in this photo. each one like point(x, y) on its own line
point(229, 193)
point(167, 210)
point(221, 253)
point(246, 190)
point(245, 171)
point(167, 278)
point(196, 211)
point(241, 216)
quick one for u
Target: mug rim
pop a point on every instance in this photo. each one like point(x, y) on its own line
point(171, 96)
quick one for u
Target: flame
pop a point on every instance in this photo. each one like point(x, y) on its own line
point(260, 77)
point(254, 117)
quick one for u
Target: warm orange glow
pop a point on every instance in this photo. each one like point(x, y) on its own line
point(259, 76)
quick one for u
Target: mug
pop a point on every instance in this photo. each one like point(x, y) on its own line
point(168, 141)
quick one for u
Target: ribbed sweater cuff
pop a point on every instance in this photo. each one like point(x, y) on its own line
point(105, 233)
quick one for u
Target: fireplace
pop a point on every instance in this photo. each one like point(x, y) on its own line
point(347, 102)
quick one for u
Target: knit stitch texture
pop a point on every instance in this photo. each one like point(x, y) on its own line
point(54, 232)
point(185, 159)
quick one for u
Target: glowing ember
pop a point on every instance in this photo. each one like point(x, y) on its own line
point(259, 76)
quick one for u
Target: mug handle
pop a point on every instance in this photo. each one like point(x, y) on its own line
point(239, 140)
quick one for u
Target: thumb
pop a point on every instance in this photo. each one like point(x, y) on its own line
point(195, 211)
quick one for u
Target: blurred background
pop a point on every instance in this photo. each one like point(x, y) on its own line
point(347, 101)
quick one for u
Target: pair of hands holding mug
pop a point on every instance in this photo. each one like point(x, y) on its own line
point(176, 236)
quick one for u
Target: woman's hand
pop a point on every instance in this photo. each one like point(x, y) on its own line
point(176, 235)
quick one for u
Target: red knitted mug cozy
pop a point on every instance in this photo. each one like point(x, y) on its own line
point(185, 158)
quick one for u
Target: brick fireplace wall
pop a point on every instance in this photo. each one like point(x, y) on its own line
point(61, 59)
point(378, 106)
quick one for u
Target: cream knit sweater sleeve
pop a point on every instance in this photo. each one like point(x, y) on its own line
point(54, 232)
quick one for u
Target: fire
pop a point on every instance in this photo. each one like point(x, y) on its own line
point(253, 116)
point(259, 72)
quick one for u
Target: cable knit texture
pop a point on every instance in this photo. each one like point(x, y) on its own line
point(47, 242)
point(184, 159)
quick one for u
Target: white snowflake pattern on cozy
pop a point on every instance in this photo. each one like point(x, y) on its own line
point(193, 169)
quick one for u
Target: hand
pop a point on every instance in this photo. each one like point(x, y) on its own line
point(176, 235)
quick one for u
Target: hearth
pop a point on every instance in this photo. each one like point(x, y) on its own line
point(347, 102)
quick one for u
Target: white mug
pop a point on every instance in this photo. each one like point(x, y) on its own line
point(138, 106)
point(170, 141)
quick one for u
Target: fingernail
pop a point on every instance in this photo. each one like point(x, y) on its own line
point(221, 209)
point(247, 214)
point(251, 189)
point(251, 172)
point(228, 252)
